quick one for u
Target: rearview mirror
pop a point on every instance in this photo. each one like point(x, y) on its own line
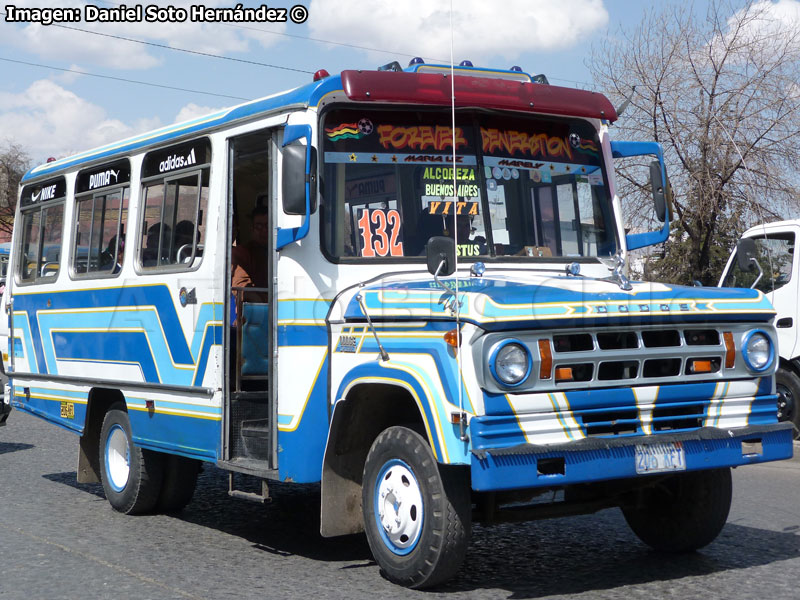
point(659, 193)
point(441, 252)
point(746, 255)
point(295, 175)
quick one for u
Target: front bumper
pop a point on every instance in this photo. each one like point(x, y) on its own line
point(599, 459)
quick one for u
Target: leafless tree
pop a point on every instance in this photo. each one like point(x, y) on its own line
point(14, 162)
point(722, 94)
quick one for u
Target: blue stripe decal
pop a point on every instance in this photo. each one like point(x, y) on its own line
point(122, 347)
point(143, 315)
point(302, 335)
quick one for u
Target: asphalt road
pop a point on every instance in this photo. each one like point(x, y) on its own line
point(60, 539)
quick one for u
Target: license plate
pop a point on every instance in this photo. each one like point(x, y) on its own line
point(658, 458)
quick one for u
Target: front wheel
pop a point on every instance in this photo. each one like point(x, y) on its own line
point(787, 386)
point(683, 512)
point(131, 476)
point(417, 514)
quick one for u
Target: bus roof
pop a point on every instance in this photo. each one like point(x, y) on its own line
point(419, 84)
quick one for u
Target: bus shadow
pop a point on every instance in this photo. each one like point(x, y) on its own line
point(70, 478)
point(528, 560)
point(288, 524)
point(557, 562)
point(8, 447)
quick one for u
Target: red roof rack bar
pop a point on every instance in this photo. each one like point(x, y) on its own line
point(434, 89)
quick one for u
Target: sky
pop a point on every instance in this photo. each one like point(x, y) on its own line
point(71, 86)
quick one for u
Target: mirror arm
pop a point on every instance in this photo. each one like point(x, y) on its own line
point(383, 353)
point(287, 236)
point(760, 273)
point(452, 303)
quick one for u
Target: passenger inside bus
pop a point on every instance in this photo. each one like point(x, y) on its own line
point(249, 260)
point(150, 252)
point(107, 257)
point(185, 235)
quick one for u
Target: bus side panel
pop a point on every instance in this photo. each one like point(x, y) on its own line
point(158, 428)
point(63, 407)
point(161, 422)
point(303, 388)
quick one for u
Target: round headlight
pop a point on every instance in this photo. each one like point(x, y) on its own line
point(511, 363)
point(757, 351)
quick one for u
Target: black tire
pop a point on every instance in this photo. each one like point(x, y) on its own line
point(683, 512)
point(430, 540)
point(131, 476)
point(180, 480)
point(787, 385)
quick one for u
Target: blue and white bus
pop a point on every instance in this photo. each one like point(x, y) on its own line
point(421, 305)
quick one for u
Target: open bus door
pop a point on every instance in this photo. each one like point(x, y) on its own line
point(249, 434)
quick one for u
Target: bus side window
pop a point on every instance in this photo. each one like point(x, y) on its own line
point(173, 232)
point(40, 253)
point(100, 232)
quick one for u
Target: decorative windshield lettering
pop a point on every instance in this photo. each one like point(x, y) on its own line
point(422, 137)
point(537, 144)
point(431, 158)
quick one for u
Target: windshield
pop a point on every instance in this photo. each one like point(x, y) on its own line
point(775, 255)
point(525, 187)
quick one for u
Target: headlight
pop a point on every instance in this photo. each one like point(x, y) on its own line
point(757, 351)
point(510, 363)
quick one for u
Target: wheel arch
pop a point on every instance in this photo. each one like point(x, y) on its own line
point(99, 402)
point(367, 408)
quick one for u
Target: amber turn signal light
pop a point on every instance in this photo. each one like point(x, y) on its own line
point(452, 338)
point(730, 350)
point(700, 366)
point(564, 374)
point(546, 359)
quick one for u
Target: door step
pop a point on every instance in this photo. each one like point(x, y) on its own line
point(263, 497)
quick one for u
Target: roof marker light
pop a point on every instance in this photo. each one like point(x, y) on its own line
point(392, 66)
point(417, 60)
point(465, 63)
point(516, 68)
point(321, 74)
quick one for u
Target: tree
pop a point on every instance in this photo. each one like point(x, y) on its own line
point(721, 93)
point(14, 162)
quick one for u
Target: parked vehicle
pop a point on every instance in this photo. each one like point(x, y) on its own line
point(765, 259)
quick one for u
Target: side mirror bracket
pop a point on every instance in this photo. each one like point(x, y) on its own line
point(660, 186)
point(298, 181)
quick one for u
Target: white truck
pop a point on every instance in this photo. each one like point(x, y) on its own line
point(765, 259)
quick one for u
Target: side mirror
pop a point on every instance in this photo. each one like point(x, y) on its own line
point(295, 175)
point(659, 193)
point(746, 255)
point(441, 252)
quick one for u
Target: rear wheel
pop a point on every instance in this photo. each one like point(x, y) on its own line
point(417, 514)
point(180, 480)
point(131, 476)
point(787, 386)
point(683, 512)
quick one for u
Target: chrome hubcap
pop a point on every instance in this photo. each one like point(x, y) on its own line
point(118, 458)
point(399, 507)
